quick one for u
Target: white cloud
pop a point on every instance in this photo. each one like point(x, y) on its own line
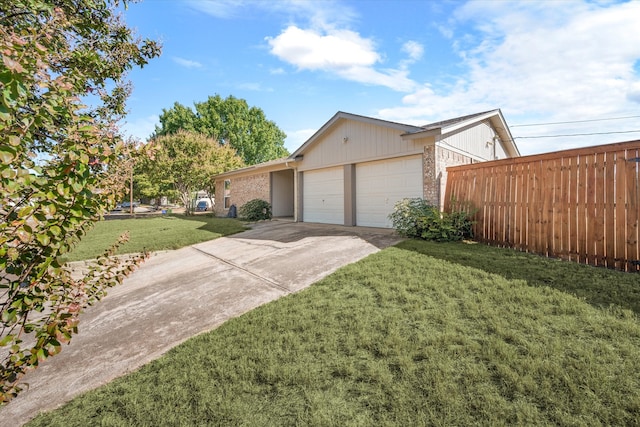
point(307, 49)
point(413, 49)
point(321, 40)
point(225, 9)
point(140, 128)
point(318, 14)
point(187, 63)
point(297, 137)
point(341, 52)
point(569, 61)
point(256, 87)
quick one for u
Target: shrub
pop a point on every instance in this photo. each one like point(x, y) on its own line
point(255, 210)
point(418, 219)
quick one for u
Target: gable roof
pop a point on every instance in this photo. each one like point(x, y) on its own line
point(446, 127)
point(432, 129)
point(340, 115)
point(445, 123)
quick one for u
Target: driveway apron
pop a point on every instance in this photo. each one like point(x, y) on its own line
point(178, 294)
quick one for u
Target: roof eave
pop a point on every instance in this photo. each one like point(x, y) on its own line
point(421, 134)
point(287, 161)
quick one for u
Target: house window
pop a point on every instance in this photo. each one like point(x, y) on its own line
point(227, 193)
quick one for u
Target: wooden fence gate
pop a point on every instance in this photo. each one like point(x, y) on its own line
point(581, 204)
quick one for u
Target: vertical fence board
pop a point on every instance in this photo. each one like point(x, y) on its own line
point(609, 211)
point(503, 189)
point(573, 209)
point(565, 209)
point(558, 203)
point(581, 209)
point(491, 211)
point(590, 208)
point(632, 209)
point(620, 182)
point(548, 194)
point(512, 206)
point(524, 190)
point(599, 211)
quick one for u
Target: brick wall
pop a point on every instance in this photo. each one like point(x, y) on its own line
point(446, 158)
point(430, 189)
point(435, 162)
point(243, 189)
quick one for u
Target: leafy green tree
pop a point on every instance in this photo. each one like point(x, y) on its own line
point(146, 186)
point(189, 161)
point(60, 166)
point(230, 121)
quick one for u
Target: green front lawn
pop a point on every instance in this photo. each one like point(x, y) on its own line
point(402, 338)
point(153, 234)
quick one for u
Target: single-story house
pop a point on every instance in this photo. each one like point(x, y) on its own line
point(354, 169)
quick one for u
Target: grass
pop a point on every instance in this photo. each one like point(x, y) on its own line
point(153, 234)
point(400, 338)
point(599, 287)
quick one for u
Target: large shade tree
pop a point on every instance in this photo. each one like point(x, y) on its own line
point(59, 164)
point(189, 161)
point(231, 122)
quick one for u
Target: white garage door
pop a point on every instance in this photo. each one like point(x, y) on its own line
point(379, 185)
point(323, 196)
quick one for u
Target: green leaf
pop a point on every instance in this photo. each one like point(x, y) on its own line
point(14, 140)
point(7, 154)
point(25, 211)
point(62, 189)
point(6, 340)
point(44, 239)
point(8, 316)
point(5, 116)
point(77, 187)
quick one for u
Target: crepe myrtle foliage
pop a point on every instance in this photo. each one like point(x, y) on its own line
point(59, 167)
point(188, 161)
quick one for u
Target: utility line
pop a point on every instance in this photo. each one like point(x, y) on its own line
point(574, 134)
point(575, 121)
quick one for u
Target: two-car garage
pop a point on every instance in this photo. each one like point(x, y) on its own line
point(378, 186)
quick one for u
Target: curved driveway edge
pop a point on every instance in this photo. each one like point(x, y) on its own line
point(178, 294)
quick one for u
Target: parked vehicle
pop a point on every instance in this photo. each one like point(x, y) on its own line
point(127, 205)
point(203, 206)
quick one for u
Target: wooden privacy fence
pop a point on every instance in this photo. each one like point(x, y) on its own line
point(581, 205)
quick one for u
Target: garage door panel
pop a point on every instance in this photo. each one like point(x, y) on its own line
point(380, 185)
point(323, 196)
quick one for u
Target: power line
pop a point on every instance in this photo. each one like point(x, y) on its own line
point(575, 134)
point(575, 121)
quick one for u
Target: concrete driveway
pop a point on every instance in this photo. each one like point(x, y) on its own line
point(178, 294)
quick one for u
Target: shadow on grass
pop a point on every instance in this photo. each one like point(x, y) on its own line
point(598, 286)
point(214, 224)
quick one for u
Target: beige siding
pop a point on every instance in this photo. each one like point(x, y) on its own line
point(365, 142)
point(476, 141)
point(282, 189)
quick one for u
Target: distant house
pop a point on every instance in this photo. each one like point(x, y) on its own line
point(354, 169)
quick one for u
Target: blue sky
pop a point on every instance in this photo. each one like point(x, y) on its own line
point(410, 61)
